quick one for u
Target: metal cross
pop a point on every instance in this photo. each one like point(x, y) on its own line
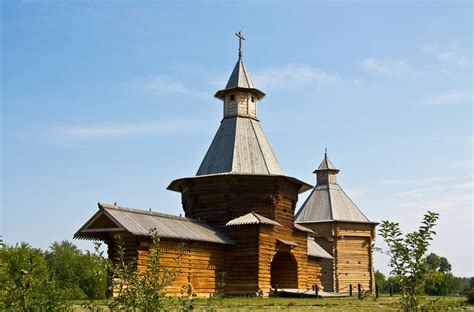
point(241, 37)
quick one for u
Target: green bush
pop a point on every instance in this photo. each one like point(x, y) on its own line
point(82, 275)
point(25, 281)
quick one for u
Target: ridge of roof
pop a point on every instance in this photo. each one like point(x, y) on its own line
point(144, 212)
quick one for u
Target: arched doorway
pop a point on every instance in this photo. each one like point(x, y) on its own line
point(284, 271)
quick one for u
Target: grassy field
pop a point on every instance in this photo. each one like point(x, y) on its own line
point(384, 303)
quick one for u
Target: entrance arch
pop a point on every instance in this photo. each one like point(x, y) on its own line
point(284, 271)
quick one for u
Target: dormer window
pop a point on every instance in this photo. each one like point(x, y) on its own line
point(232, 97)
point(252, 99)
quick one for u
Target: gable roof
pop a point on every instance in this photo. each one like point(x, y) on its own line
point(314, 250)
point(141, 223)
point(328, 202)
point(240, 146)
point(251, 218)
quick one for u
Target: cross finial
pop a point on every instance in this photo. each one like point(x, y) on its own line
point(325, 153)
point(241, 37)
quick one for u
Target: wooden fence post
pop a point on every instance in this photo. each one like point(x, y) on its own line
point(276, 290)
point(350, 290)
point(316, 290)
point(391, 289)
point(359, 290)
point(376, 290)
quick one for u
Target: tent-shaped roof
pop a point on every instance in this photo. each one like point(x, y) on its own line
point(326, 164)
point(240, 146)
point(314, 250)
point(252, 218)
point(113, 218)
point(328, 202)
point(239, 79)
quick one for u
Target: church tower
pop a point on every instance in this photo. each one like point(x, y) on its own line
point(241, 191)
point(341, 229)
point(240, 145)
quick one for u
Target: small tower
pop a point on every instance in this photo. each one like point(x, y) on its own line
point(240, 145)
point(341, 229)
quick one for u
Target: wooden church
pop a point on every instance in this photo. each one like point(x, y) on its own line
point(240, 220)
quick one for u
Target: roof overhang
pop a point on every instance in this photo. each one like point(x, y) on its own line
point(340, 221)
point(179, 185)
point(221, 93)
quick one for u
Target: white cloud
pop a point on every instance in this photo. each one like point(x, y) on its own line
point(168, 84)
point(449, 98)
point(292, 75)
point(74, 136)
point(388, 67)
point(448, 53)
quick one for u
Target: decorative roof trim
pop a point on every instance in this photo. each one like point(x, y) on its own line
point(251, 218)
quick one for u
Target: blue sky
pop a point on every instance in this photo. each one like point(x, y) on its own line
point(111, 101)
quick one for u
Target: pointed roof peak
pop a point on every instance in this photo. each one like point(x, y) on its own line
point(240, 78)
point(326, 164)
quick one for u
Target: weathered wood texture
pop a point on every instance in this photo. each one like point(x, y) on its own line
point(248, 264)
point(314, 272)
point(198, 265)
point(351, 246)
point(220, 199)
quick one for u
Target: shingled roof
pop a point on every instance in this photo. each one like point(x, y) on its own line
point(240, 146)
point(328, 201)
point(113, 218)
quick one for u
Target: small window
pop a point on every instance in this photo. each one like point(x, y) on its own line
point(252, 99)
point(232, 97)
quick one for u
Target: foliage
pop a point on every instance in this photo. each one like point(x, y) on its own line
point(470, 297)
point(385, 282)
point(407, 258)
point(25, 281)
point(437, 263)
point(440, 281)
point(82, 275)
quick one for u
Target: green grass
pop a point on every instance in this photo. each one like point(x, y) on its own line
point(384, 303)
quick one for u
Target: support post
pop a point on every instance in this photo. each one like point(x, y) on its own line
point(350, 290)
point(316, 290)
point(359, 290)
point(391, 289)
point(376, 290)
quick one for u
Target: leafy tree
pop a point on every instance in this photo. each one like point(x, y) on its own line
point(407, 257)
point(437, 263)
point(440, 281)
point(25, 282)
point(82, 275)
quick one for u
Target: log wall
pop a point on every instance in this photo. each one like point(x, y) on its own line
point(351, 246)
point(198, 265)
